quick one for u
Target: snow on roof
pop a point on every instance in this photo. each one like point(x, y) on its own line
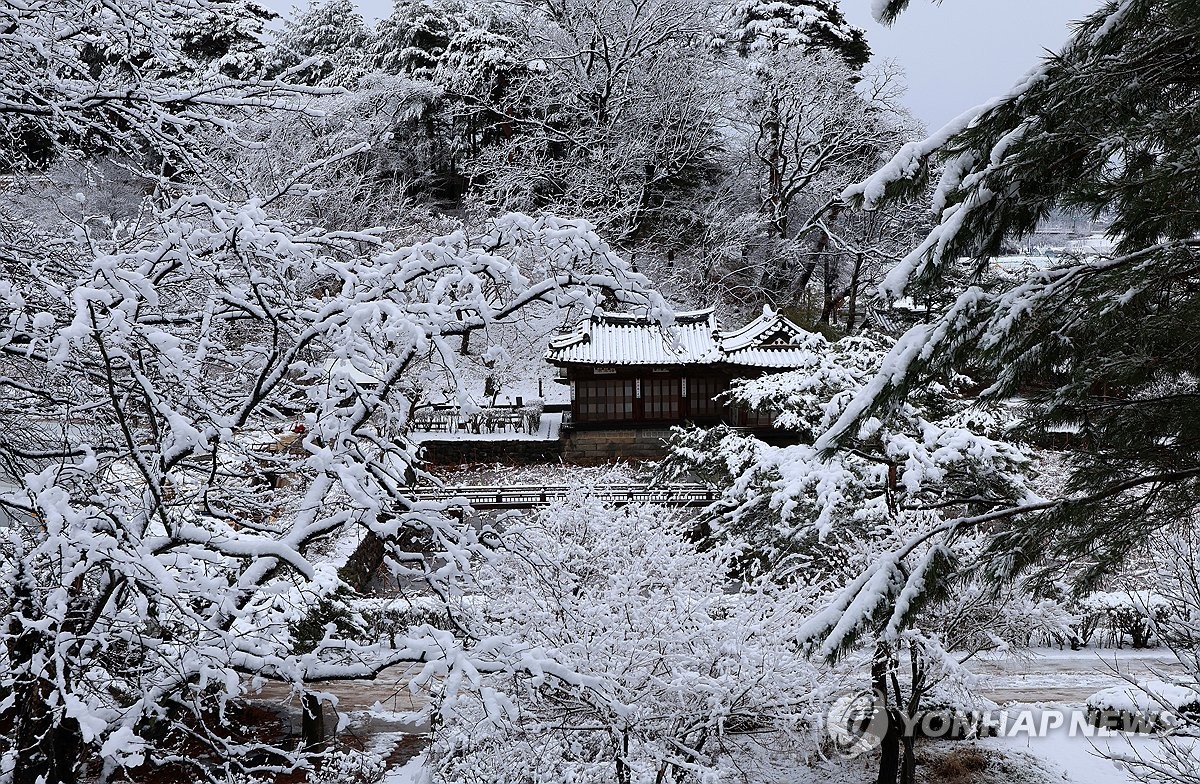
point(769, 341)
point(626, 339)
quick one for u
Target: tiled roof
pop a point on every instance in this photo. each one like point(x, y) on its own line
point(769, 341)
point(624, 339)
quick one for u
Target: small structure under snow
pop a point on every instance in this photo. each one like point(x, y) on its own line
point(629, 371)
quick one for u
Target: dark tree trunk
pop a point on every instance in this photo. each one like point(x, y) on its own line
point(312, 722)
point(889, 751)
point(48, 752)
point(820, 246)
point(362, 564)
point(889, 748)
point(809, 268)
point(827, 305)
point(852, 307)
point(48, 745)
point(908, 769)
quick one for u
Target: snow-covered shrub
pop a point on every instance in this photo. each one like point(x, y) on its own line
point(637, 661)
point(1132, 614)
point(1160, 705)
point(532, 415)
point(336, 766)
point(349, 766)
point(390, 619)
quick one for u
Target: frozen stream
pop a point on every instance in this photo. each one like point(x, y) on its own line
point(1066, 676)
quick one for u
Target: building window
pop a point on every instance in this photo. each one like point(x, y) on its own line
point(701, 391)
point(759, 418)
point(604, 401)
point(661, 397)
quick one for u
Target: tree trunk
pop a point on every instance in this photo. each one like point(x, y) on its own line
point(47, 744)
point(48, 751)
point(624, 774)
point(889, 748)
point(889, 751)
point(776, 208)
point(908, 769)
point(828, 305)
point(852, 307)
point(312, 723)
point(820, 246)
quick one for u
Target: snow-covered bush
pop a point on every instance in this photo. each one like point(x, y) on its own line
point(639, 661)
point(532, 415)
point(336, 766)
point(1133, 614)
point(390, 619)
point(349, 766)
point(1171, 700)
point(1149, 703)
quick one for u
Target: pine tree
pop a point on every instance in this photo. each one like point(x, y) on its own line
point(1105, 345)
point(335, 33)
point(226, 36)
point(813, 25)
point(414, 37)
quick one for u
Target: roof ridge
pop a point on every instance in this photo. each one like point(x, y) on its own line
point(690, 316)
point(694, 338)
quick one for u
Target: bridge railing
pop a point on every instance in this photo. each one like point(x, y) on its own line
point(524, 496)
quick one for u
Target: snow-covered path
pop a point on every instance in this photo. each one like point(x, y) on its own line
point(1065, 676)
point(1077, 759)
point(1063, 679)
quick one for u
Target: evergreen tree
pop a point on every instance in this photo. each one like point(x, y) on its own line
point(414, 37)
point(813, 25)
point(335, 33)
point(225, 36)
point(1105, 345)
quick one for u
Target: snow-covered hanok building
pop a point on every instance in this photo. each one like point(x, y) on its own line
point(629, 372)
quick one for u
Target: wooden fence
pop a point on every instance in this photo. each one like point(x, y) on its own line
point(529, 496)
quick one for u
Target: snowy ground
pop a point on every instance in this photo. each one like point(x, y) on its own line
point(1066, 676)
point(408, 773)
point(1083, 760)
point(1047, 679)
point(1056, 679)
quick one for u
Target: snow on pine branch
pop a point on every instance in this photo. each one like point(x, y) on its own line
point(860, 519)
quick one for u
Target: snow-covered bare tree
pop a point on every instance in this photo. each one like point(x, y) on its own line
point(127, 79)
point(197, 422)
point(1169, 699)
point(804, 145)
point(205, 410)
point(654, 668)
point(614, 108)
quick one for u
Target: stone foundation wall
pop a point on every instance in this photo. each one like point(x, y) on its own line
point(515, 452)
point(576, 446)
point(596, 446)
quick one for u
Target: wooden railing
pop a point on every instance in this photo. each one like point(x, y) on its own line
point(525, 419)
point(529, 496)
